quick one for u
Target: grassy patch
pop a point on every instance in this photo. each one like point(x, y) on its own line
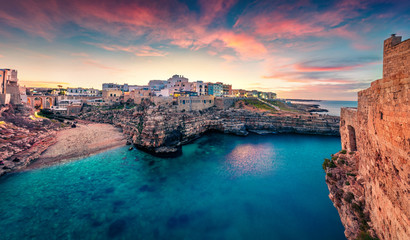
point(259, 105)
point(283, 106)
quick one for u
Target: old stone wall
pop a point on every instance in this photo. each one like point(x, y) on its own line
point(225, 102)
point(383, 119)
point(395, 57)
point(195, 103)
point(378, 134)
point(348, 126)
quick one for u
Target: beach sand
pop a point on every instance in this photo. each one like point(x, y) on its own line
point(79, 142)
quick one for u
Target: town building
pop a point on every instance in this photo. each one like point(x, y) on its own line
point(138, 95)
point(178, 83)
point(157, 85)
point(124, 87)
point(227, 90)
point(112, 95)
point(215, 89)
point(9, 88)
point(194, 103)
point(82, 92)
point(199, 87)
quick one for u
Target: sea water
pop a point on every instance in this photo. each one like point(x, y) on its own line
point(222, 187)
point(333, 107)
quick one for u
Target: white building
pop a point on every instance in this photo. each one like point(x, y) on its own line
point(83, 92)
point(199, 87)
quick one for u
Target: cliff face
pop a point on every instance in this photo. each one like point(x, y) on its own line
point(22, 137)
point(378, 133)
point(163, 130)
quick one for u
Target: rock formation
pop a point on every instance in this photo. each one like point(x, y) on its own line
point(22, 137)
point(377, 134)
point(162, 130)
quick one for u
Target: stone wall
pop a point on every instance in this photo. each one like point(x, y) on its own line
point(225, 102)
point(383, 119)
point(380, 132)
point(395, 57)
point(348, 125)
point(195, 103)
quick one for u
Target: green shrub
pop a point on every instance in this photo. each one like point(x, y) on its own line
point(326, 163)
point(351, 174)
point(329, 174)
point(343, 151)
point(357, 208)
point(342, 161)
point(363, 235)
point(332, 164)
point(351, 153)
point(347, 183)
point(349, 196)
point(334, 158)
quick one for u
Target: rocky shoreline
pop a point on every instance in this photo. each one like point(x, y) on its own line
point(23, 137)
point(29, 142)
point(162, 131)
point(347, 193)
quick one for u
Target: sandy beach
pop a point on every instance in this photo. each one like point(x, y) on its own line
point(82, 141)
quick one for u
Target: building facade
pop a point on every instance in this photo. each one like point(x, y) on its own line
point(194, 103)
point(215, 89)
point(9, 88)
point(112, 95)
point(82, 92)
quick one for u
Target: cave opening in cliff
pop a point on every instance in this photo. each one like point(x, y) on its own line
point(352, 138)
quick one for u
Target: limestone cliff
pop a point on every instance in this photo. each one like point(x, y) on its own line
point(23, 137)
point(377, 134)
point(162, 130)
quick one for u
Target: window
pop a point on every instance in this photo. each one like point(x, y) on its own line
point(110, 94)
point(183, 101)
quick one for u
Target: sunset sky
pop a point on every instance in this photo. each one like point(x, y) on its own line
point(299, 49)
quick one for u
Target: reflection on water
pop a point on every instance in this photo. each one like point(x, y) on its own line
point(222, 187)
point(250, 159)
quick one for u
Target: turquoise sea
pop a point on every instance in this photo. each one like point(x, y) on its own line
point(222, 187)
point(332, 106)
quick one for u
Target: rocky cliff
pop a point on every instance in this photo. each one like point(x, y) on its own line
point(162, 130)
point(23, 137)
point(377, 134)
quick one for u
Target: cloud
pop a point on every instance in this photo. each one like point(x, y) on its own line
point(41, 84)
point(303, 67)
point(79, 54)
point(214, 9)
point(167, 22)
point(141, 51)
point(97, 64)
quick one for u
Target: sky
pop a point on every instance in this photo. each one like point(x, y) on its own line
point(299, 49)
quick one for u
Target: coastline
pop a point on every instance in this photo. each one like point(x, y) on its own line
point(82, 141)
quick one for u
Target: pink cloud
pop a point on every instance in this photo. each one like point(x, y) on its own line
point(142, 51)
point(212, 9)
point(97, 64)
point(80, 54)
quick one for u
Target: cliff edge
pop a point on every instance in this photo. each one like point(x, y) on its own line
point(369, 181)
